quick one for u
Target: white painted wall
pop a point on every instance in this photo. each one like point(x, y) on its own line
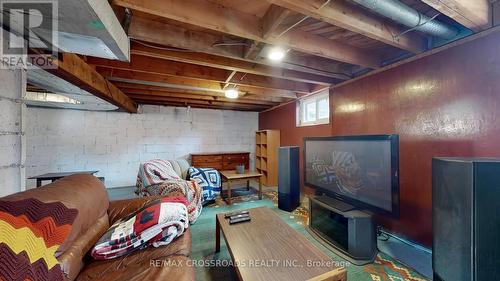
point(115, 143)
point(12, 154)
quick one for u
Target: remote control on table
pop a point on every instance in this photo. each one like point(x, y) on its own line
point(239, 216)
point(227, 215)
point(243, 219)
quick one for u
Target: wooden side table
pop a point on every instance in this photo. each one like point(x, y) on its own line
point(229, 176)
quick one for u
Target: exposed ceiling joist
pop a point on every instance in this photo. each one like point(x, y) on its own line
point(252, 52)
point(230, 64)
point(473, 14)
point(206, 14)
point(129, 86)
point(274, 16)
point(322, 47)
point(203, 106)
point(117, 75)
point(174, 36)
point(151, 65)
point(135, 93)
point(161, 33)
point(167, 67)
point(76, 71)
point(225, 105)
point(347, 16)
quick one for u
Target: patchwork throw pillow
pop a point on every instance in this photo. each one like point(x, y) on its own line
point(30, 234)
point(156, 224)
point(209, 180)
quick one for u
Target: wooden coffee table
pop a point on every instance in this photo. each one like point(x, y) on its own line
point(267, 248)
point(229, 176)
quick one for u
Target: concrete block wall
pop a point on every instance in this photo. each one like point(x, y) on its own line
point(12, 154)
point(115, 143)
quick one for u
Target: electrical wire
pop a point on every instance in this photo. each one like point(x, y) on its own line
point(417, 26)
point(322, 70)
point(231, 44)
point(302, 20)
point(161, 48)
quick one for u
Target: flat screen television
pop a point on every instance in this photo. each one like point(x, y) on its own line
point(360, 170)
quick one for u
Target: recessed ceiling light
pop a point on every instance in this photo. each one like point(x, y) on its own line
point(231, 93)
point(276, 54)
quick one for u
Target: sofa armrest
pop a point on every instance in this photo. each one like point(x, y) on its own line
point(121, 208)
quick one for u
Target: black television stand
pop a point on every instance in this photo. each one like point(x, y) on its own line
point(350, 234)
point(335, 203)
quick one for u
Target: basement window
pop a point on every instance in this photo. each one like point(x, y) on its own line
point(313, 110)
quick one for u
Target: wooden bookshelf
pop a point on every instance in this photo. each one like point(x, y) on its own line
point(266, 151)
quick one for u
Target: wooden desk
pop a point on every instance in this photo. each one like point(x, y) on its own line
point(282, 253)
point(229, 176)
point(55, 176)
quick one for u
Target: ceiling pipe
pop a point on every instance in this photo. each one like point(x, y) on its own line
point(409, 17)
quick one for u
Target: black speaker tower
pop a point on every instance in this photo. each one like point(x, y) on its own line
point(288, 178)
point(466, 220)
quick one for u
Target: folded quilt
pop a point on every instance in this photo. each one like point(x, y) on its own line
point(156, 224)
point(190, 189)
point(154, 172)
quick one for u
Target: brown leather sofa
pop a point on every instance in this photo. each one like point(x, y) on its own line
point(88, 195)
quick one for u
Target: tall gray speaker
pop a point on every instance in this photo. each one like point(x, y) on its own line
point(466, 220)
point(288, 178)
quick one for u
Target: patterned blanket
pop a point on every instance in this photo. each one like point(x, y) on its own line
point(156, 224)
point(190, 189)
point(154, 172)
point(30, 233)
point(158, 178)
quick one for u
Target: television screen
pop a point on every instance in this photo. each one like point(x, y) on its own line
point(361, 170)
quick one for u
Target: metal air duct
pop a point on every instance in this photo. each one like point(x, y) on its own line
point(403, 14)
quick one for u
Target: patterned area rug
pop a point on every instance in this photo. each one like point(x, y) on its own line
point(385, 268)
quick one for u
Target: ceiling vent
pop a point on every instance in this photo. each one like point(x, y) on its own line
point(62, 94)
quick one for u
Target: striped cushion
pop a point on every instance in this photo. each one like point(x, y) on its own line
point(30, 233)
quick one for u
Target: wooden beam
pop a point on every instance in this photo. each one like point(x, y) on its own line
point(174, 36)
point(353, 18)
point(274, 16)
point(182, 82)
point(172, 68)
point(138, 93)
point(322, 47)
point(473, 14)
point(180, 104)
point(251, 53)
point(321, 65)
point(228, 79)
point(152, 65)
point(232, 64)
point(73, 69)
point(160, 33)
point(206, 14)
point(140, 98)
point(130, 86)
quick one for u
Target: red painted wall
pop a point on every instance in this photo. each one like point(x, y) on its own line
point(446, 104)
